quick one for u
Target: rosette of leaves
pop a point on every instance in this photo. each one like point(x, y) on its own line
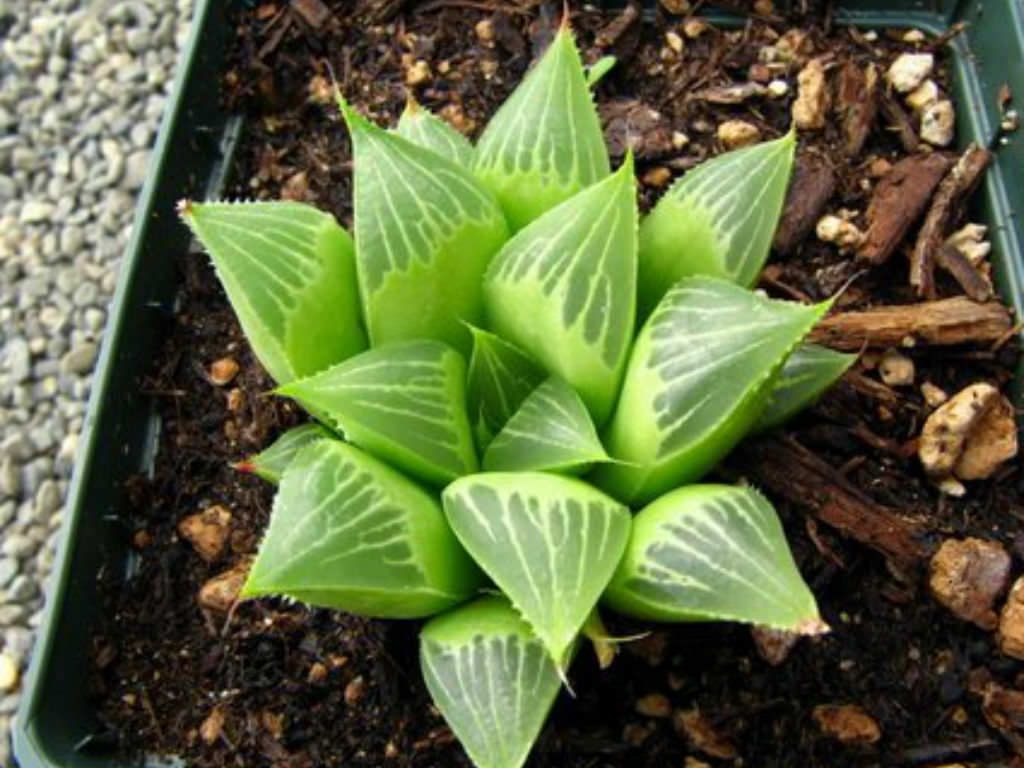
point(514, 382)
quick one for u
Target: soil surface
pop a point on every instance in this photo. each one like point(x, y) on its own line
point(275, 684)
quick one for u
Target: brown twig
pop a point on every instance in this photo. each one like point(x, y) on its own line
point(975, 285)
point(946, 209)
point(941, 323)
point(899, 122)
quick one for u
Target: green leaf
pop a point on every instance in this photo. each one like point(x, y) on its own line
point(564, 289)
point(545, 143)
point(272, 461)
point(698, 379)
point(350, 533)
point(600, 68)
point(808, 372)
point(491, 679)
point(710, 553)
point(404, 402)
point(425, 129)
point(425, 232)
point(500, 377)
point(551, 432)
point(285, 268)
point(550, 543)
point(717, 220)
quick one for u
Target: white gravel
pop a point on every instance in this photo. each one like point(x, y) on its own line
point(82, 88)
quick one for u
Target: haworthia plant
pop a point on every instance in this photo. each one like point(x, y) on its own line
point(808, 372)
point(425, 232)
point(551, 432)
point(404, 402)
point(285, 267)
point(524, 254)
point(545, 143)
point(271, 462)
point(500, 377)
point(717, 220)
point(550, 543)
point(421, 127)
point(574, 268)
point(349, 532)
point(670, 574)
point(698, 379)
point(491, 678)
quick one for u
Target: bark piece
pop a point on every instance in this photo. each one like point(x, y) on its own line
point(950, 259)
point(813, 184)
point(847, 723)
point(899, 122)
point(692, 725)
point(967, 576)
point(899, 200)
point(940, 323)
point(1011, 622)
point(946, 431)
point(857, 102)
point(790, 470)
point(313, 12)
point(943, 215)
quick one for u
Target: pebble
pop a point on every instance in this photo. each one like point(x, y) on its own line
point(909, 70)
point(1011, 622)
point(83, 85)
point(8, 673)
point(847, 723)
point(738, 133)
point(967, 576)
point(938, 123)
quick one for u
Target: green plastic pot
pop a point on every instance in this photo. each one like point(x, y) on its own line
point(56, 723)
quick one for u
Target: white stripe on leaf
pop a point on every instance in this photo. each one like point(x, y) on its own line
point(564, 289)
point(698, 379)
point(491, 679)
point(712, 553)
point(808, 372)
point(350, 533)
point(717, 220)
point(285, 266)
point(545, 142)
point(404, 402)
point(551, 432)
point(550, 543)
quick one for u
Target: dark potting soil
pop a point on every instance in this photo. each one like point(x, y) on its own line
point(277, 684)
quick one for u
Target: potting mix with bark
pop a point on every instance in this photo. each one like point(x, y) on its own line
point(912, 567)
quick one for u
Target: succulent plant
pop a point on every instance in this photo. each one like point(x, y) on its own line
point(516, 381)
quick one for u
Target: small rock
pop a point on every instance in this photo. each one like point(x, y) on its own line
point(847, 723)
point(841, 231)
point(674, 41)
point(8, 673)
point(657, 177)
point(18, 360)
point(485, 31)
point(694, 28)
point(221, 592)
point(970, 241)
point(1011, 622)
point(693, 762)
point(212, 727)
point(812, 101)
point(680, 140)
point(934, 396)
point(914, 36)
point(355, 691)
point(678, 7)
point(654, 705)
point(208, 531)
point(992, 442)
point(967, 576)
point(48, 499)
point(896, 369)
point(317, 673)
point(693, 726)
point(222, 372)
point(926, 94)
point(778, 89)
point(8, 570)
point(773, 645)
point(946, 430)
point(1003, 709)
point(418, 74)
point(738, 133)
point(909, 70)
point(35, 212)
point(136, 166)
point(879, 167)
point(938, 123)
point(10, 478)
point(79, 359)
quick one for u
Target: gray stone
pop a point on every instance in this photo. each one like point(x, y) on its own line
point(18, 643)
point(35, 211)
point(18, 546)
point(10, 478)
point(22, 589)
point(18, 359)
point(79, 359)
point(11, 615)
point(8, 570)
point(135, 169)
point(48, 499)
